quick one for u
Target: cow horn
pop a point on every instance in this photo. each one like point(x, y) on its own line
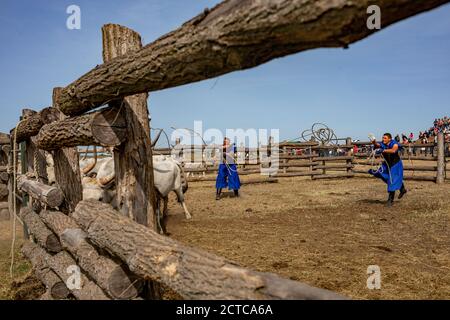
point(157, 138)
point(92, 166)
point(106, 181)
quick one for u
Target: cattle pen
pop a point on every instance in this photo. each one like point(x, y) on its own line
point(119, 253)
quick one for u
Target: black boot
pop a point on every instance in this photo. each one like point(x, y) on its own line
point(391, 199)
point(403, 191)
point(218, 192)
point(236, 193)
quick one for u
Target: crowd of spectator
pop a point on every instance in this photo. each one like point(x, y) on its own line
point(428, 136)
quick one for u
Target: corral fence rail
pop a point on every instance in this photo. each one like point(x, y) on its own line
point(119, 252)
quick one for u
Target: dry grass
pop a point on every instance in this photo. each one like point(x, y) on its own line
point(22, 282)
point(326, 234)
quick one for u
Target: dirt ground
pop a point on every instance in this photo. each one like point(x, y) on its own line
point(327, 233)
point(323, 233)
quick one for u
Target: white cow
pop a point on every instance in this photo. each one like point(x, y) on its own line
point(169, 176)
point(93, 191)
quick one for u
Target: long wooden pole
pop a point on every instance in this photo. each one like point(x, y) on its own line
point(133, 158)
point(440, 177)
point(235, 35)
point(67, 169)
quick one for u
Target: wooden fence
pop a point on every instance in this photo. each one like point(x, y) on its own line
point(4, 176)
point(310, 159)
point(119, 253)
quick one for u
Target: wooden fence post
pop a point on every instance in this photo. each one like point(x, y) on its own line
point(348, 142)
point(67, 169)
point(23, 170)
point(440, 158)
point(133, 158)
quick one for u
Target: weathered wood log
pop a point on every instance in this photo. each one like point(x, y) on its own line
point(30, 125)
point(333, 176)
point(133, 159)
point(67, 170)
point(43, 236)
point(406, 167)
point(440, 176)
point(420, 178)
point(47, 296)
point(193, 273)
point(35, 159)
point(38, 257)
point(6, 148)
point(51, 196)
point(106, 127)
point(334, 166)
point(115, 279)
point(4, 211)
point(243, 181)
point(296, 174)
point(3, 188)
point(337, 158)
point(62, 263)
point(235, 35)
point(4, 177)
point(5, 139)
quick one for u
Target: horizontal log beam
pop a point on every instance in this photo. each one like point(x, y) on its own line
point(332, 147)
point(110, 276)
point(193, 273)
point(333, 176)
point(30, 126)
point(243, 181)
point(296, 174)
point(43, 236)
point(415, 145)
point(88, 290)
point(338, 158)
point(106, 127)
point(38, 258)
point(51, 196)
point(420, 178)
point(234, 35)
point(334, 166)
point(4, 177)
point(405, 177)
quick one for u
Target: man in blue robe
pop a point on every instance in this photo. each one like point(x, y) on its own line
point(228, 175)
point(391, 170)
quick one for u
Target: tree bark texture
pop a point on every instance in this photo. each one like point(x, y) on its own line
point(43, 236)
point(61, 263)
point(30, 125)
point(133, 159)
point(234, 35)
point(112, 277)
point(101, 128)
point(51, 196)
point(67, 170)
point(38, 257)
point(193, 273)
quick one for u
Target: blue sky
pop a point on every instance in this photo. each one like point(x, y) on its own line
point(397, 80)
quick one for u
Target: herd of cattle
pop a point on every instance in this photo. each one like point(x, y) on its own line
point(98, 180)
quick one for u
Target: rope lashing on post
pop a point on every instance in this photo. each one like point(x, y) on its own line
point(13, 243)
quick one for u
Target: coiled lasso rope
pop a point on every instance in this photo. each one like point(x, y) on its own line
point(15, 217)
